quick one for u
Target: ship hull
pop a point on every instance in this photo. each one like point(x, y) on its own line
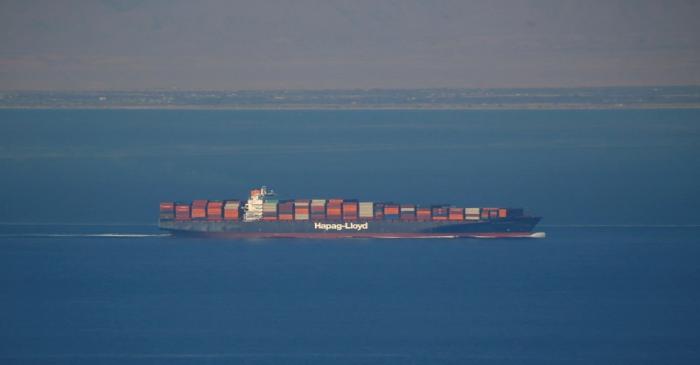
point(520, 227)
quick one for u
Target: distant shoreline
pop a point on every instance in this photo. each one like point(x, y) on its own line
point(686, 97)
point(358, 107)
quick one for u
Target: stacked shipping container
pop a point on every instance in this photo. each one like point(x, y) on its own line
point(332, 209)
point(199, 209)
point(215, 210)
point(408, 212)
point(301, 210)
point(471, 214)
point(379, 211)
point(423, 214)
point(490, 213)
point(439, 213)
point(350, 210)
point(318, 209)
point(232, 210)
point(182, 212)
point(270, 210)
point(167, 210)
point(285, 210)
point(455, 214)
point(366, 210)
point(391, 211)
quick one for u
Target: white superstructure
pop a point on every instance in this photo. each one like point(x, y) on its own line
point(254, 206)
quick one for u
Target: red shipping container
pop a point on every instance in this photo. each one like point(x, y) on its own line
point(199, 203)
point(286, 217)
point(391, 209)
point(350, 210)
point(456, 214)
point(182, 212)
point(230, 214)
point(485, 213)
point(215, 211)
point(423, 214)
point(231, 210)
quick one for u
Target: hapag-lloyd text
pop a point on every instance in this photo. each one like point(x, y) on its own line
point(341, 226)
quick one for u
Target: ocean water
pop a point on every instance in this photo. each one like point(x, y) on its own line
point(86, 277)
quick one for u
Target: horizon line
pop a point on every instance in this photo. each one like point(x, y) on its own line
point(301, 89)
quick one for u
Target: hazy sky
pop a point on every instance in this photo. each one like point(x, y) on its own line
point(149, 44)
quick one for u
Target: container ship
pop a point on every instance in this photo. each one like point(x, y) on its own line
point(263, 215)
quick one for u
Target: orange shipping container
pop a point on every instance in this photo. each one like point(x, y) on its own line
point(423, 214)
point(214, 211)
point(302, 206)
point(286, 217)
point(502, 213)
point(230, 214)
point(391, 209)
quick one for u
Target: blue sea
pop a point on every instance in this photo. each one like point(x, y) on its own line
point(87, 278)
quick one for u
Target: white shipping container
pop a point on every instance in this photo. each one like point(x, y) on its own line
point(471, 211)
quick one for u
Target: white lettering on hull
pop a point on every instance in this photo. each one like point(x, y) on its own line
point(341, 226)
